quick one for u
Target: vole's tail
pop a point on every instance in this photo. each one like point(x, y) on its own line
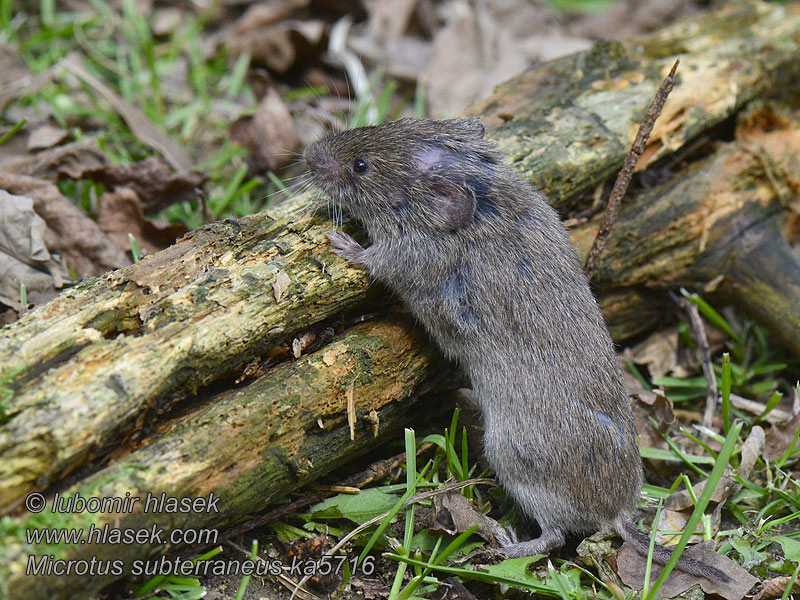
point(629, 532)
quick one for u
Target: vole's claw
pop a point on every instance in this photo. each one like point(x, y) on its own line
point(347, 248)
point(505, 536)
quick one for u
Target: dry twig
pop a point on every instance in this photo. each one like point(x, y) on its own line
point(700, 338)
point(625, 174)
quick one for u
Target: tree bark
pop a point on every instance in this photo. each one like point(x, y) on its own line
point(568, 124)
point(107, 365)
point(245, 446)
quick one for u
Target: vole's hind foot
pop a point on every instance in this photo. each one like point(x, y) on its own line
point(542, 545)
point(347, 248)
point(505, 536)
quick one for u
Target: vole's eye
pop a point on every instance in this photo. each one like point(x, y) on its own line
point(360, 166)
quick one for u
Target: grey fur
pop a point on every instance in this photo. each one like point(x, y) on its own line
point(486, 266)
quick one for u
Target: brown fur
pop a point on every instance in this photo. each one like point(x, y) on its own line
point(486, 266)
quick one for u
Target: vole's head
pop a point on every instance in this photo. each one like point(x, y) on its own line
point(426, 173)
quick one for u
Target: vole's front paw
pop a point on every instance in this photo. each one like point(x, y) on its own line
point(347, 248)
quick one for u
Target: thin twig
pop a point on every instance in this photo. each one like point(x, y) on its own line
point(700, 338)
point(625, 174)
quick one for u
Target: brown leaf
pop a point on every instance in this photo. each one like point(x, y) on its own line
point(281, 284)
point(682, 500)
point(279, 45)
point(455, 514)
point(661, 407)
point(121, 213)
point(46, 136)
point(24, 256)
point(388, 19)
point(659, 352)
point(72, 160)
point(269, 135)
point(780, 437)
point(774, 588)
point(154, 183)
point(631, 568)
point(470, 55)
point(369, 589)
point(140, 125)
point(453, 589)
point(16, 79)
point(70, 233)
point(751, 449)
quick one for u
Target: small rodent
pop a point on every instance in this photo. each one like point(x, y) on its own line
point(485, 264)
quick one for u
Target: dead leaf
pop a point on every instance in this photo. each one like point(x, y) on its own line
point(369, 589)
point(661, 407)
point(659, 353)
point(70, 233)
point(266, 13)
point(24, 256)
point(46, 136)
point(751, 450)
point(678, 508)
point(16, 79)
point(281, 284)
point(455, 514)
point(682, 500)
point(470, 55)
point(166, 20)
point(156, 186)
point(453, 589)
point(71, 160)
point(269, 135)
point(388, 19)
point(631, 568)
point(277, 45)
point(779, 437)
point(403, 57)
point(774, 588)
point(120, 213)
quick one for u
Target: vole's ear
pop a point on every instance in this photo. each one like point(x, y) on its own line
point(452, 202)
point(453, 205)
point(471, 126)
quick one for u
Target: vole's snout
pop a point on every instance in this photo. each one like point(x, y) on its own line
point(322, 165)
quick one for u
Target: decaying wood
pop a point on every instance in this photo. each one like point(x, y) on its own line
point(567, 125)
point(250, 445)
point(116, 354)
point(116, 350)
point(720, 222)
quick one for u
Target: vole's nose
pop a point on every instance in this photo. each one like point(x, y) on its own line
point(311, 156)
point(321, 163)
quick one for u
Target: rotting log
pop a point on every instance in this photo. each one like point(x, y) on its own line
point(97, 360)
point(118, 352)
point(720, 221)
point(567, 125)
point(267, 437)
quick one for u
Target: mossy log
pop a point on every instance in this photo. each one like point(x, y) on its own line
point(245, 446)
point(116, 355)
point(567, 125)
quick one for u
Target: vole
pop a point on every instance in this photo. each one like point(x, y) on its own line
point(485, 264)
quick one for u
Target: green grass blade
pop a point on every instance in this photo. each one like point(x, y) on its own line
point(726, 392)
point(716, 474)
